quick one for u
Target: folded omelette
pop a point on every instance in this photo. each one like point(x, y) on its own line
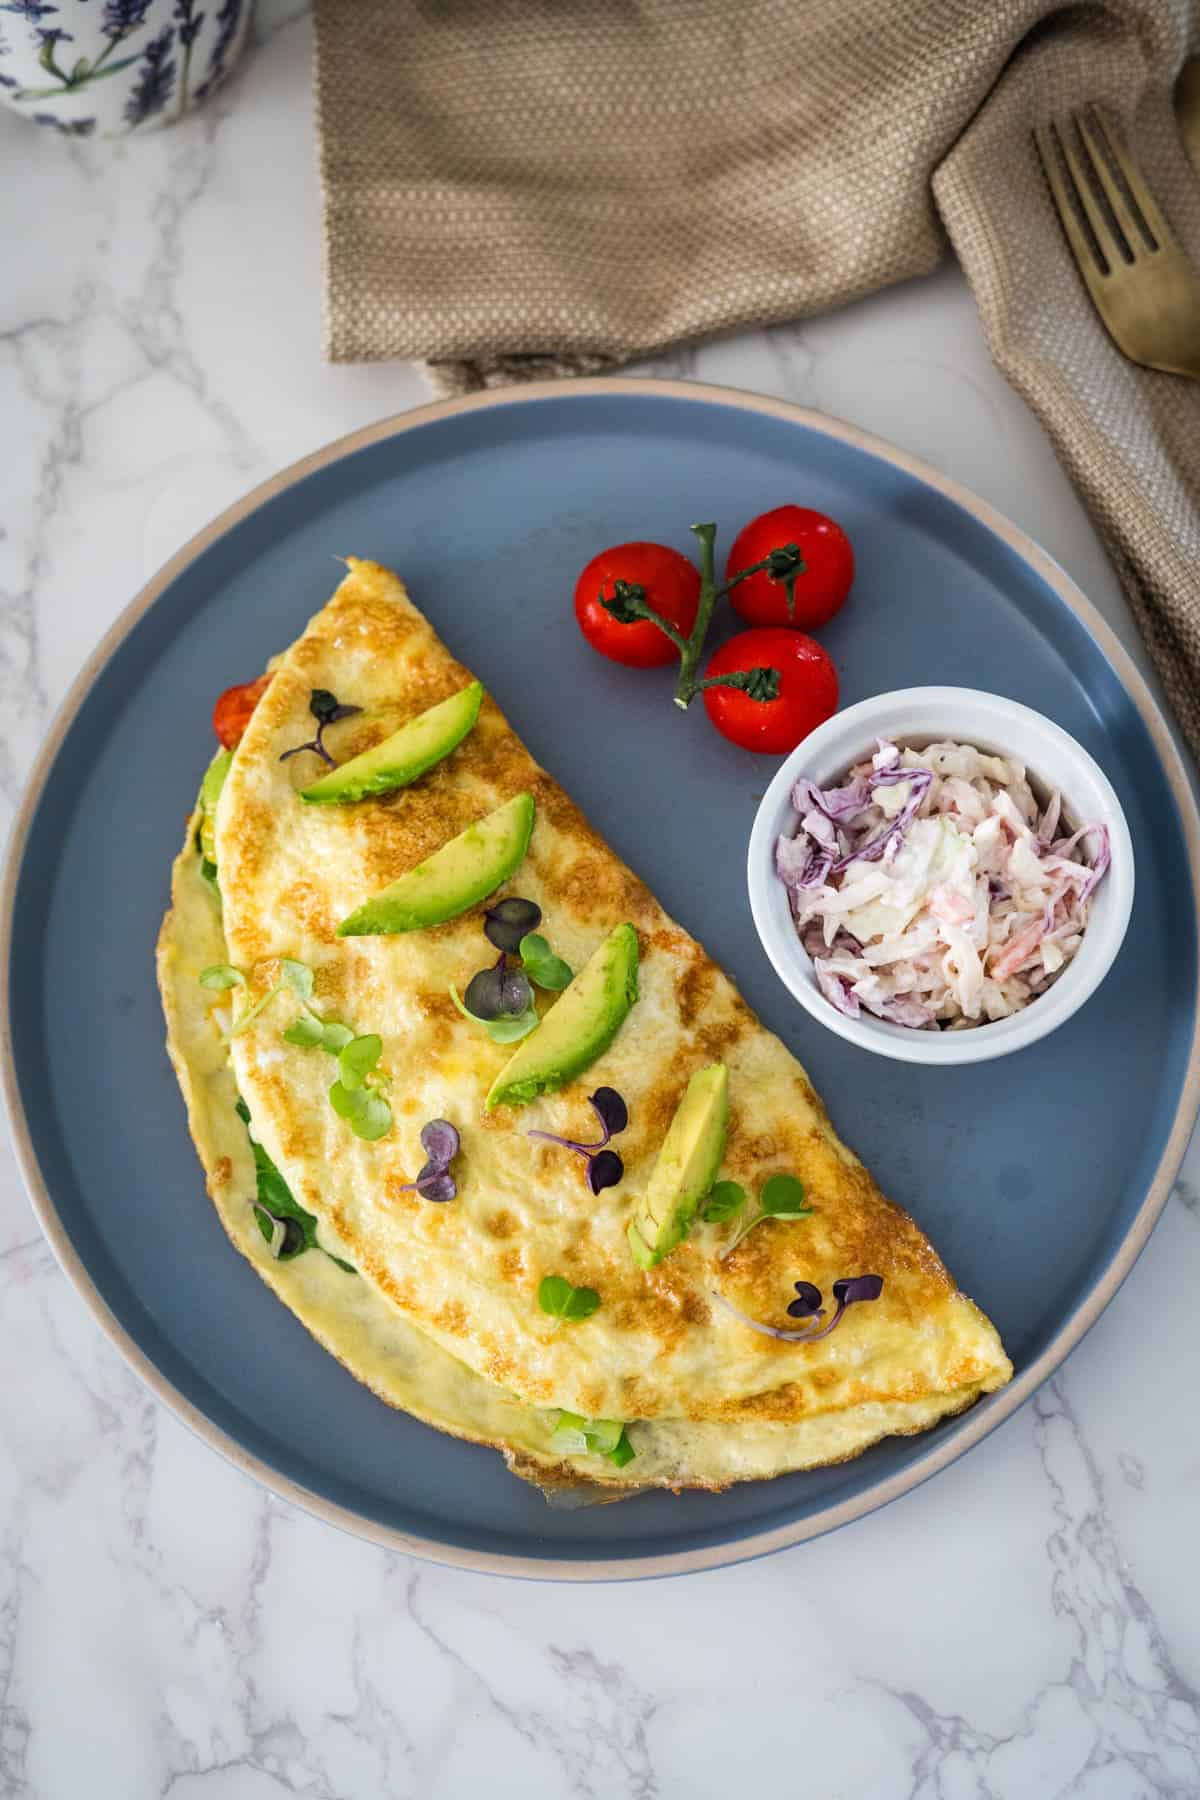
point(523, 1312)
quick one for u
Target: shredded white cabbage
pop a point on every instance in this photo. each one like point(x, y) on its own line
point(933, 890)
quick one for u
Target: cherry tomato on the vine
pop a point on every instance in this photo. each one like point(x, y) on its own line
point(819, 592)
point(672, 588)
point(231, 714)
point(808, 689)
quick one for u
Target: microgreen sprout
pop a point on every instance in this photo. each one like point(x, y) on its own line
point(311, 1032)
point(782, 1197)
point(355, 1096)
point(604, 1166)
point(722, 1202)
point(506, 923)
point(807, 1305)
point(505, 1029)
point(294, 975)
point(561, 1300)
point(544, 968)
point(440, 1142)
point(221, 976)
point(628, 602)
point(326, 709)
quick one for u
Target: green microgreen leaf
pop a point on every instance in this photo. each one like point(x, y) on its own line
point(312, 1032)
point(782, 1197)
point(298, 976)
point(561, 1300)
point(221, 976)
point(542, 966)
point(722, 1202)
point(364, 1109)
point(504, 1030)
point(306, 1030)
point(358, 1058)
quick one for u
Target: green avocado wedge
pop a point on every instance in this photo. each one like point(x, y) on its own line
point(452, 880)
point(403, 757)
point(687, 1166)
point(578, 1027)
point(210, 793)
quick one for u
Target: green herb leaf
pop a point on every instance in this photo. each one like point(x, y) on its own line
point(541, 964)
point(557, 1297)
point(335, 1036)
point(364, 1109)
point(357, 1059)
point(505, 1030)
point(275, 1197)
point(221, 976)
point(722, 1202)
point(307, 1031)
point(298, 976)
point(622, 1451)
point(783, 1198)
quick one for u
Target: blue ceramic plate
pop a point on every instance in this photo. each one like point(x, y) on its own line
point(1037, 1177)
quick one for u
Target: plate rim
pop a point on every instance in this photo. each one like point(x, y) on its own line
point(980, 1422)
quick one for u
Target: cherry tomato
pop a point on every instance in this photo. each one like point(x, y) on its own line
point(820, 591)
point(808, 689)
point(231, 714)
point(672, 588)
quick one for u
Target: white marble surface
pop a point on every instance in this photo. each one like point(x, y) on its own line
point(1024, 1627)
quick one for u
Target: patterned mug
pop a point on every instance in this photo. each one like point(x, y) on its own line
point(115, 66)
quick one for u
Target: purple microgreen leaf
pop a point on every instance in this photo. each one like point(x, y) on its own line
point(326, 709)
point(605, 1169)
point(807, 1302)
point(440, 1142)
point(436, 1184)
point(611, 1111)
point(857, 1287)
point(506, 923)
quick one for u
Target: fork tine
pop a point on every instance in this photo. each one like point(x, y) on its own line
point(1111, 250)
point(1137, 232)
point(1082, 248)
point(1121, 154)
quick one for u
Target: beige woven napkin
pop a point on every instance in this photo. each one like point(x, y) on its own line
point(516, 188)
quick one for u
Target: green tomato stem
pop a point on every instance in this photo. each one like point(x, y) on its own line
point(783, 564)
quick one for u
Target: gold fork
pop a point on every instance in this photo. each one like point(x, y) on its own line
point(1142, 284)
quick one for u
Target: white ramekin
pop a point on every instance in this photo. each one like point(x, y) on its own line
point(920, 716)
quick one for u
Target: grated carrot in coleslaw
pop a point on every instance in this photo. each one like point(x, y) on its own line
point(933, 890)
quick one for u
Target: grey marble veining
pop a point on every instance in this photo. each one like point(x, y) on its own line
point(1024, 1627)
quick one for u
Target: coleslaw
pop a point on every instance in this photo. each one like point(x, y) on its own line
point(932, 890)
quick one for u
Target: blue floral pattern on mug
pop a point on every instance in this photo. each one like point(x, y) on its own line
point(81, 66)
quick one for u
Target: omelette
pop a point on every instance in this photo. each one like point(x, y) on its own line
point(572, 1201)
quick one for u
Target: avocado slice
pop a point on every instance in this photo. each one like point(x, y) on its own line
point(455, 878)
point(687, 1166)
point(578, 1026)
point(210, 793)
point(403, 757)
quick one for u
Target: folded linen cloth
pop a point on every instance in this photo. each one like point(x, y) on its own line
point(520, 188)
